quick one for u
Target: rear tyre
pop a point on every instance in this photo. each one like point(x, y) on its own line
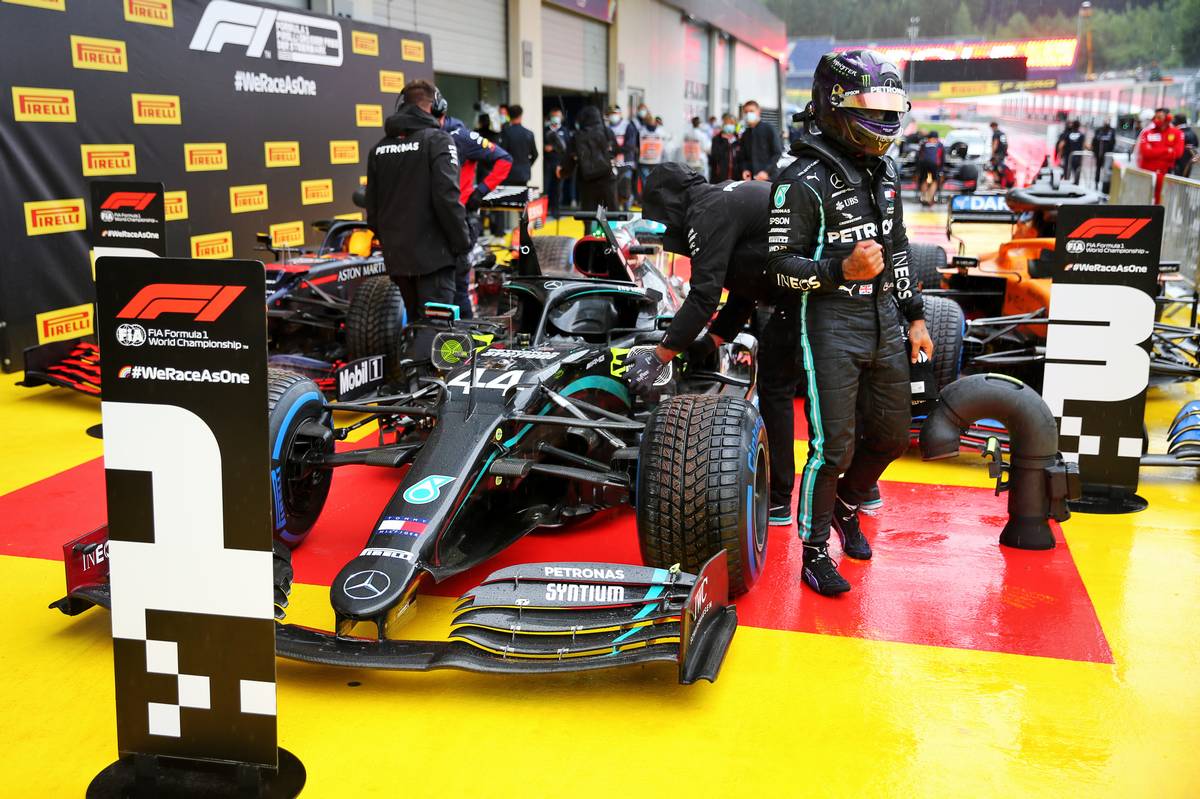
point(924, 261)
point(944, 318)
point(555, 254)
point(295, 412)
point(702, 486)
point(375, 324)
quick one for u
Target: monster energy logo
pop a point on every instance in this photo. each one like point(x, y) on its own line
point(781, 194)
point(866, 80)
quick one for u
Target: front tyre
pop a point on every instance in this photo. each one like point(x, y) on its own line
point(298, 424)
point(702, 486)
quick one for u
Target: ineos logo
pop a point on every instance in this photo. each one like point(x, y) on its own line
point(366, 584)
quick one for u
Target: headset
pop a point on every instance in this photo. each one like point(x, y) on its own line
point(438, 108)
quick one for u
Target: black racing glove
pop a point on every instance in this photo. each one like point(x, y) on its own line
point(642, 368)
point(700, 351)
point(476, 198)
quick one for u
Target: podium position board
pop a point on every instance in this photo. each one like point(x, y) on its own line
point(185, 451)
point(1098, 344)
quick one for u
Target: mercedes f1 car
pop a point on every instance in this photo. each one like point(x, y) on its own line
point(525, 423)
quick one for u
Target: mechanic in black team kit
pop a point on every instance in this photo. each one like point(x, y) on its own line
point(412, 201)
point(723, 228)
point(837, 240)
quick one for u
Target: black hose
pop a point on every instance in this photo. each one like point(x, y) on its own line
point(1033, 446)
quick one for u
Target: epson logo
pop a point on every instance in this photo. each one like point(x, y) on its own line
point(298, 37)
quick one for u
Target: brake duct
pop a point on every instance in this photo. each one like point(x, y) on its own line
point(1039, 483)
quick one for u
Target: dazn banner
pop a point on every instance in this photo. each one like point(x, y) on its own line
point(256, 118)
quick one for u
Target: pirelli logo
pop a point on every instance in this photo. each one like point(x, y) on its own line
point(247, 198)
point(108, 159)
point(343, 151)
point(149, 12)
point(65, 323)
point(287, 234)
point(282, 153)
point(314, 192)
point(368, 115)
point(364, 43)
point(54, 216)
point(43, 105)
point(103, 54)
point(391, 82)
point(175, 205)
point(49, 5)
point(205, 157)
point(213, 245)
point(412, 49)
point(157, 109)
point(353, 215)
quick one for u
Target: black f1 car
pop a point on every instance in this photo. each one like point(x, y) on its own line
point(525, 423)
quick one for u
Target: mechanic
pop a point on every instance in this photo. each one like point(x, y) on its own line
point(837, 240)
point(412, 202)
point(554, 145)
point(931, 156)
point(1069, 143)
point(484, 167)
point(628, 146)
point(591, 152)
point(1159, 147)
point(518, 141)
point(1104, 141)
point(999, 154)
point(760, 147)
point(723, 229)
point(1191, 144)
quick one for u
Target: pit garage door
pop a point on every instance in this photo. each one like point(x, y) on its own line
point(574, 51)
point(470, 37)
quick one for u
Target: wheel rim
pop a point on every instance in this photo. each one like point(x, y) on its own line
point(761, 509)
point(302, 483)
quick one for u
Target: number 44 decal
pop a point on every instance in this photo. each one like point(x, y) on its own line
point(503, 382)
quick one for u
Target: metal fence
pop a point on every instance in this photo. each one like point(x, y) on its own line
point(1131, 186)
point(1181, 228)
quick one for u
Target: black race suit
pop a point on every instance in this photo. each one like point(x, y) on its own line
point(850, 332)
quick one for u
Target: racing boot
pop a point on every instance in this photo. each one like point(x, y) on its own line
point(780, 514)
point(845, 523)
point(820, 572)
point(873, 501)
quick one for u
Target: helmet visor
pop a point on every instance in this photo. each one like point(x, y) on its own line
point(876, 100)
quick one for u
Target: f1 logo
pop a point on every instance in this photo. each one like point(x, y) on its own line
point(133, 200)
point(205, 303)
point(1122, 228)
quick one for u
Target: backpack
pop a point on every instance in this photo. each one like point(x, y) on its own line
point(591, 148)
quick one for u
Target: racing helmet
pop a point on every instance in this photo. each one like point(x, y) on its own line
point(858, 100)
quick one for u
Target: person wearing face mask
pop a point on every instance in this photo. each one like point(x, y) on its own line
point(628, 142)
point(724, 154)
point(696, 144)
point(642, 117)
point(1159, 147)
point(652, 145)
point(761, 147)
point(554, 148)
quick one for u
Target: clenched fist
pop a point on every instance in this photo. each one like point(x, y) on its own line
point(865, 262)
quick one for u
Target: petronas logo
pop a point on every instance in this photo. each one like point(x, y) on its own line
point(781, 194)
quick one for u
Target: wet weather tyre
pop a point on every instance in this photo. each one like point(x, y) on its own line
point(924, 261)
point(702, 486)
point(297, 425)
point(555, 254)
point(375, 324)
point(944, 319)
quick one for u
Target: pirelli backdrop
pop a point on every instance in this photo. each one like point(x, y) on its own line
point(255, 118)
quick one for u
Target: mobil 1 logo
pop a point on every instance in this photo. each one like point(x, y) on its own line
point(359, 378)
point(1098, 343)
point(186, 471)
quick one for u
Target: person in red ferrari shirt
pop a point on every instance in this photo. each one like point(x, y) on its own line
point(1159, 147)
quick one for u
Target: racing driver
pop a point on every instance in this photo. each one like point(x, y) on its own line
point(837, 240)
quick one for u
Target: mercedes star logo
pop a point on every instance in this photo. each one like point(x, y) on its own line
point(366, 585)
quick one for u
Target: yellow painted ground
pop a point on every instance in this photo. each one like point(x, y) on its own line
point(793, 714)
